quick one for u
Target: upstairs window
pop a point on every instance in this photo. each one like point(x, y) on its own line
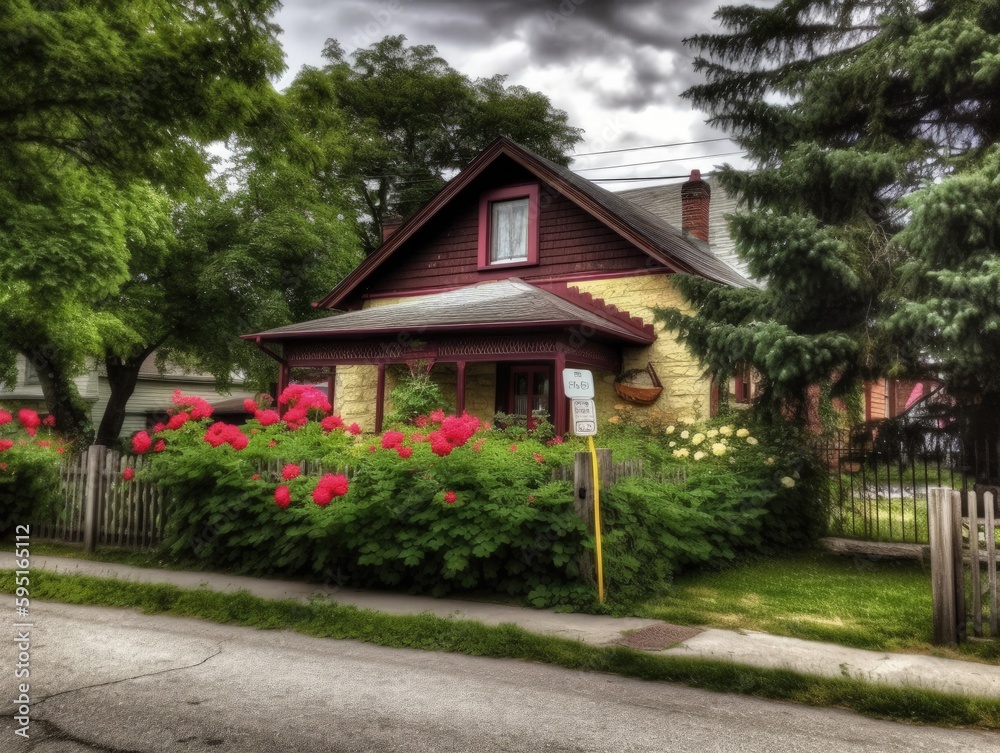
point(508, 227)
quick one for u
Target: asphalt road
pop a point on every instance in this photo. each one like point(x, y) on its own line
point(118, 681)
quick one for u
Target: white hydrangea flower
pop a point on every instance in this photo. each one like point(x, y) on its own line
point(718, 449)
point(788, 482)
point(743, 433)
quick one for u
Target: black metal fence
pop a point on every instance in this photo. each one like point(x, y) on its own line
point(881, 475)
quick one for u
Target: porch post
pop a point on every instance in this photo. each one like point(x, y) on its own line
point(560, 418)
point(380, 399)
point(284, 374)
point(460, 388)
point(331, 387)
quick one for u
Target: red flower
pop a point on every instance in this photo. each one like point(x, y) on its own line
point(282, 496)
point(29, 420)
point(439, 445)
point(43, 443)
point(332, 422)
point(538, 457)
point(157, 428)
point(354, 429)
point(328, 487)
point(372, 448)
point(421, 421)
point(304, 397)
point(255, 477)
point(5, 444)
point(49, 421)
point(177, 421)
point(272, 443)
point(141, 443)
point(296, 418)
point(513, 448)
point(221, 433)
point(531, 499)
point(290, 471)
point(239, 442)
point(437, 416)
point(250, 406)
point(404, 452)
point(417, 437)
point(450, 497)
point(478, 444)
point(267, 417)
point(392, 439)
point(160, 446)
point(197, 407)
point(128, 474)
point(5, 417)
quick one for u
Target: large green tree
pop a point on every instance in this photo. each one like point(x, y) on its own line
point(846, 108)
point(104, 106)
point(407, 121)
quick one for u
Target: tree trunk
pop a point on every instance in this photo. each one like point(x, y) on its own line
point(71, 412)
point(122, 377)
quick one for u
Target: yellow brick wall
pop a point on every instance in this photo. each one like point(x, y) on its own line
point(686, 394)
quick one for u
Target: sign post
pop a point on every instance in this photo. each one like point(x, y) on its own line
point(578, 384)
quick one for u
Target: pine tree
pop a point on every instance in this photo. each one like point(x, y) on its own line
point(846, 109)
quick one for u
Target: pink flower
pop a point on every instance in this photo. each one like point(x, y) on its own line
point(478, 444)
point(141, 443)
point(5, 444)
point(158, 427)
point(450, 497)
point(160, 446)
point(392, 439)
point(538, 457)
point(304, 397)
point(29, 420)
point(404, 452)
point(282, 496)
point(555, 441)
point(372, 448)
point(239, 442)
point(332, 422)
point(290, 471)
point(43, 443)
point(128, 474)
point(328, 487)
point(255, 477)
point(354, 429)
point(531, 499)
point(421, 422)
point(177, 421)
point(49, 421)
point(5, 417)
point(267, 417)
point(272, 443)
point(296, 418)
point(513, 448)
point(437, 416)
point(197, 407)
point(221, 433)
point(417, 437)
point(439, 445)
point(250, 406)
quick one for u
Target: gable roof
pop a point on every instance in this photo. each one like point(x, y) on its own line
point(503, 305)
point(656, 237)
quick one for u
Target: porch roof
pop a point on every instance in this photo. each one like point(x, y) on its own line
point(501, 306)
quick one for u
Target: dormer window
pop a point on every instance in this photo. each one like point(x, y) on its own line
point(508, 227)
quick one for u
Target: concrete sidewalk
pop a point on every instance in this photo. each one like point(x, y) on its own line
point(757, 649)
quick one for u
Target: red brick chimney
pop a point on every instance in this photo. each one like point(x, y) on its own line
point(696, 195)
point(390, 224)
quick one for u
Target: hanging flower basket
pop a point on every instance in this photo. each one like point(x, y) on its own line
point(630, 386)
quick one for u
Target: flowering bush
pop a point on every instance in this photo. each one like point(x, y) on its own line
point(30, 453)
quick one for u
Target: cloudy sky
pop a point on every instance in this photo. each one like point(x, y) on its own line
point(616, 66)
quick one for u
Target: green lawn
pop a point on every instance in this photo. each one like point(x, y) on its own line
point(880, 605)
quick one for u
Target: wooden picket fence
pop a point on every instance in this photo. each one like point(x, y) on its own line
point(963, 533)
point(99, 507)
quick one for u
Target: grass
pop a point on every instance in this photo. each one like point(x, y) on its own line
point(880, 605)
point(118, 556)
point(323, 618)
point(899, 520)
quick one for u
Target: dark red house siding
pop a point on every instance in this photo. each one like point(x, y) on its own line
point(444, 252)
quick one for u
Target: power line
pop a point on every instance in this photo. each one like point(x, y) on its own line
point(651, 146)
point(660, 161)
point(648, 177)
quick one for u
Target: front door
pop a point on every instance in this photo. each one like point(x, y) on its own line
point(530, 390)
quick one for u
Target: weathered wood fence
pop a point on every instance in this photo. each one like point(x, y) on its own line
point(100, 508)
point(963, 531)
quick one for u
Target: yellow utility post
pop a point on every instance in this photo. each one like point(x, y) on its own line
point(597, 520)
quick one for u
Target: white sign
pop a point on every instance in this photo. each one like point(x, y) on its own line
point(578, 383)
point(584, 414)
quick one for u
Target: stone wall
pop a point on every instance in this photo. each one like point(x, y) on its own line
point(686, 393)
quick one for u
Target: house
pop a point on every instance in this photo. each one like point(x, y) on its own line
point(151, 398)
point(516, 269)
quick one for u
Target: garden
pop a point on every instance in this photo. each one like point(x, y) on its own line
point(443, 504)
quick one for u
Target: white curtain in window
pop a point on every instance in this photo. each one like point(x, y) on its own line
point(509, 231)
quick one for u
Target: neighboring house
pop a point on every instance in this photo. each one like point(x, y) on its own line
point(515, 270)
point(151, 398)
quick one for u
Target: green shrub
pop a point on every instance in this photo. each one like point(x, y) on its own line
point(415, 395)
point(30, 456)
